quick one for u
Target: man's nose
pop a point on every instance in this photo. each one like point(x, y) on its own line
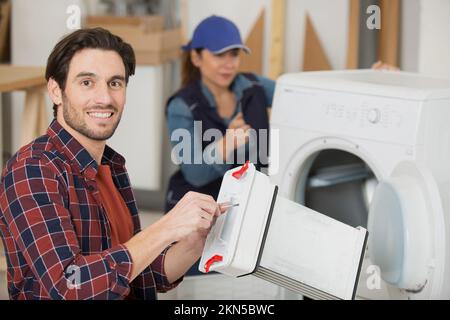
point(103, 94)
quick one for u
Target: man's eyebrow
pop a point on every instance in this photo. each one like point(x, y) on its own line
point(86, 74)
point(93, 75)
point(117, 77)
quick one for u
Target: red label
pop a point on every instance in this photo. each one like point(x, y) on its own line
point(208, 264)
point(238, 174)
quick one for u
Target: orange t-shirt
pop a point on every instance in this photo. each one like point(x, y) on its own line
point(117, 211)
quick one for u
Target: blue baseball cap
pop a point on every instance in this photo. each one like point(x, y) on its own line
point(217, 34)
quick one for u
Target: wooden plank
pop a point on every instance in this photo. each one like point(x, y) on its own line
point(353, 35)
point(34, 117)
point(20, 78)
point(314, 56)
point(276, 62)
point(388, 46)
point(254, 62)
point(184, 20)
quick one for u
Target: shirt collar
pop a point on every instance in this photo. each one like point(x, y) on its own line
point(77, 154)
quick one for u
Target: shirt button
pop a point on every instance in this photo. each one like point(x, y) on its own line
point(91, 188)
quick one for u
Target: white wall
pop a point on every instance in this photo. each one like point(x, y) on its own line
point(36, 27)
point(139, 136)
point(409, 35)
point(425, 34)
point(434, 33)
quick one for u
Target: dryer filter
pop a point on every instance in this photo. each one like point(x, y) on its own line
point(281, 241)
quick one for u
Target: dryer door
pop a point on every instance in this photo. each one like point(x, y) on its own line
point(402, 219)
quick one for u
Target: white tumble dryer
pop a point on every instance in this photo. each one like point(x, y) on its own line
point(372, 148)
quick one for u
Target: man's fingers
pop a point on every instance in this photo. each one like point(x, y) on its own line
point(205, 215)
point(210, 206)
point(221, 210)
point(196, 195)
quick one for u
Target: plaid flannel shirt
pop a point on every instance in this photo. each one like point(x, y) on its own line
point(55, 231)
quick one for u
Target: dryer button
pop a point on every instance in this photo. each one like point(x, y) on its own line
point(374, 116)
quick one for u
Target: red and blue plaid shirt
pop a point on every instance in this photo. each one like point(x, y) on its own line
point(55, 231)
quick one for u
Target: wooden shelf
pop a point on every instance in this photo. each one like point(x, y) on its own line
point(20, 78)
point(32, 81)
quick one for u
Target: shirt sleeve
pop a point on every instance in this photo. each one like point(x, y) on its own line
point(181, 124)
point(269, 88)
point(33, 207)
point(142, 287)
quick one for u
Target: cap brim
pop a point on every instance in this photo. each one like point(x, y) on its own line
point(234, 46)
point(186, 47)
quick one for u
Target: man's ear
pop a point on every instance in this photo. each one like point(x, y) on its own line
point(54, 91)
point(195, 58)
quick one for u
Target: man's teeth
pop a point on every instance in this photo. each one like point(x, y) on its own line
point(100, 114)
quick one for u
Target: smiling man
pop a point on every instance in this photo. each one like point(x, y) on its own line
point(69, 220)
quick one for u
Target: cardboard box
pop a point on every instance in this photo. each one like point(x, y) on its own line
point(148, 23)
point(152, 43)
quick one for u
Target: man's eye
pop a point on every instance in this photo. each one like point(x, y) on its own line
point(86, 83)
point(116, 84)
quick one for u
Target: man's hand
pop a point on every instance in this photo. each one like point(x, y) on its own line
point(192, 217)
point(187, 223)
point(196, 240)
point(190, 221)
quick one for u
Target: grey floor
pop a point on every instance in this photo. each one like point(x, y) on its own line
point(203, 287)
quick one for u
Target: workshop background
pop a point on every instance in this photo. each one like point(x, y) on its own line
point(284, 35)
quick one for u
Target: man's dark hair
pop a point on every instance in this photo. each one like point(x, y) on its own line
point(96, 38)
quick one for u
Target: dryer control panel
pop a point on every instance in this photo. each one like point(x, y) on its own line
point(343, 113)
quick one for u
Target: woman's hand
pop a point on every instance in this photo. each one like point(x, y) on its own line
point(379, 65)
point(236, 136)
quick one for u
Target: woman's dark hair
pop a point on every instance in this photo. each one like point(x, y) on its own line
point(96, 38)
point(189, 72)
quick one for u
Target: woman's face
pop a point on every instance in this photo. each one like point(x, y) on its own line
point(217, 70)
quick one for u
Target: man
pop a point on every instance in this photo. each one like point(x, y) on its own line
point(69, 219)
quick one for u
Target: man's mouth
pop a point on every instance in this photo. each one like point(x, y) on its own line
point(100, 115)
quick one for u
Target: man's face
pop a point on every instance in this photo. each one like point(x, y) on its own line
point(95, 92)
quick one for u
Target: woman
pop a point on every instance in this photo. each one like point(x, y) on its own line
point(215, 95)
